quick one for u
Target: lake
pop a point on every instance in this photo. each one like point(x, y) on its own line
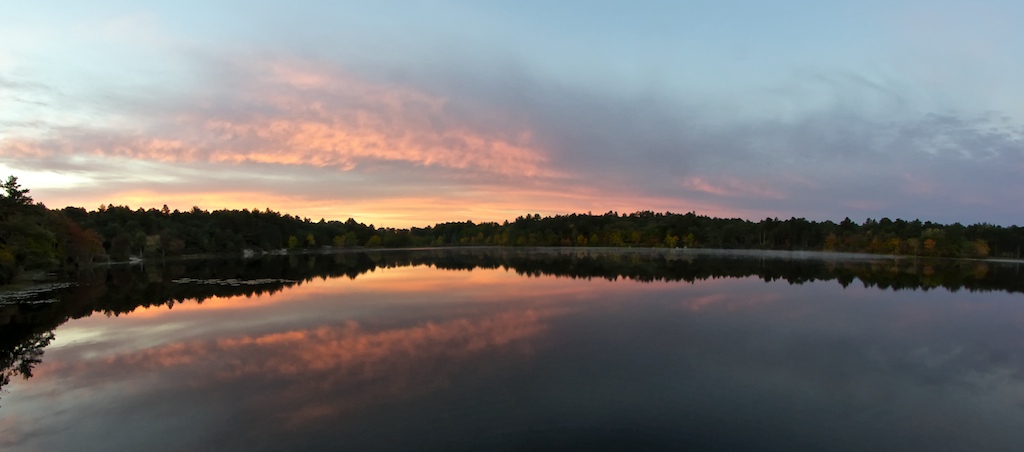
point(520, 349)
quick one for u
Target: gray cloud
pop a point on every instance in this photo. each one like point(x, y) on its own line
point(847, 157)
point(857, 149)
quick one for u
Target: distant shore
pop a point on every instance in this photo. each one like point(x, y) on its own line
point(778, 254)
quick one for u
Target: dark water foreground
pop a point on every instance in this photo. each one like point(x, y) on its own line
point(494, 349)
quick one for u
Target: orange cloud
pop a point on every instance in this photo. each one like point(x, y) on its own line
point(420, 159)
point(317, 117)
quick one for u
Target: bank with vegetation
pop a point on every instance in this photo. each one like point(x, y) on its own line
point(36, 239)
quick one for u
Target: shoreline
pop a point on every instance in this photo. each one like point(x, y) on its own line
point(738, 252)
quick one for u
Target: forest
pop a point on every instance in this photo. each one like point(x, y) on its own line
point(35, 239)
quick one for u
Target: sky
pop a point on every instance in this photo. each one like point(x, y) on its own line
point(411, 113)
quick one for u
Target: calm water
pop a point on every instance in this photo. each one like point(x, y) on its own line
point(502, 349)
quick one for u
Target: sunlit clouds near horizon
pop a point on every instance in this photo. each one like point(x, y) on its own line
point(410, 113)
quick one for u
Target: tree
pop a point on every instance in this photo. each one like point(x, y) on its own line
point(690, 240)
point(351, 239)
point(76, 246)
point(671, 241)
point(13, 199)
point(14, 194)
point(153, 245)
point(120, 247)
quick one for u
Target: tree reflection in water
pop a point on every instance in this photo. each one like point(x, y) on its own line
point(21, 356)
point(26, 329)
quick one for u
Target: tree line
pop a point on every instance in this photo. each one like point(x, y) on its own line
point(34, 238)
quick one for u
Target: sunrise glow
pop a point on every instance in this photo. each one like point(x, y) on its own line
point(137, 107)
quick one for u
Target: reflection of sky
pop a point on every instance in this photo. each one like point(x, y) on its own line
point(417, 357)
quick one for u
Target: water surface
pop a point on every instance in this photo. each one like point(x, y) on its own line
point(500, 349)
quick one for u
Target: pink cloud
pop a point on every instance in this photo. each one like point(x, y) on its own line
point(310, 116)
point(730, 187)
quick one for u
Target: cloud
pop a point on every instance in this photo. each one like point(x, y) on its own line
point(729, 188)
point(303, 116)
point(855, 146)
point(490, 143)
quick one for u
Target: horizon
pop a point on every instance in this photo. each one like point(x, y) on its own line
point(407, 114)
point(619, 214)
